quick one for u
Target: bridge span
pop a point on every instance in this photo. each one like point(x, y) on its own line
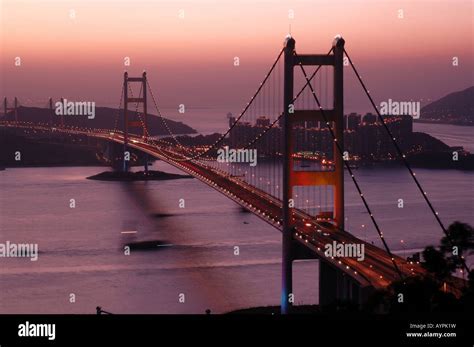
point(281, 124)
point(344, 278)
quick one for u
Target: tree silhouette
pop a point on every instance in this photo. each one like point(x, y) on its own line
point(436, 263)
point(459, 241)
point(426, 293)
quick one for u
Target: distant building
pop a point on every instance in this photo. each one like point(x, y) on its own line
point(370, 118)
point(263, 121)
point(363, 136)
point(231, 119)
point(353, 121)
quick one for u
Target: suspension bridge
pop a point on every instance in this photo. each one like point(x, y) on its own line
point(299, 194)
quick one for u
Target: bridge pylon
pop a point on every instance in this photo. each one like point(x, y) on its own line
point(292, 178)
point(51, 111)
point(141, 99)
point(61, 115)
point(14, 108)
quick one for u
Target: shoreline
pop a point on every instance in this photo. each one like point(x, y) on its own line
point(419, 121)
point(275, 310)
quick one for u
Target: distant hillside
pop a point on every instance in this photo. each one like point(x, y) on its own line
point(454, 108)
point(104, 118)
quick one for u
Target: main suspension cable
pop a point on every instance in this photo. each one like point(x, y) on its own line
point(237, 119)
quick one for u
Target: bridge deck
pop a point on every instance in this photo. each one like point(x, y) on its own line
point(375, 270)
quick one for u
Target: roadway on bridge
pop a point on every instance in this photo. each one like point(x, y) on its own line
point(376, 269)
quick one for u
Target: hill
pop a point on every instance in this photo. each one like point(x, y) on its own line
point(105, 118)
point(455, 108)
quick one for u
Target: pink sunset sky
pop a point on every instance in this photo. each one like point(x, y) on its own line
point(190, 60)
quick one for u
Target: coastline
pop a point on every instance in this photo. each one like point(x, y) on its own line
point(429, 121)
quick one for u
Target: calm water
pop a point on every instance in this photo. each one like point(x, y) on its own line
point(81, 249)
point(453, 135)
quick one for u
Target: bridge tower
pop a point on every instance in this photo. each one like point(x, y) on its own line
point(133, 123)
point(14, 108)
point(51, 110)
point(293, 178)
point(61, 116)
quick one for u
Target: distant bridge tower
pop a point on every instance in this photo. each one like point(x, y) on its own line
point(134, 123)
point(51, 111)
point(293, 178)
point(61, 115)
point(14, 108)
